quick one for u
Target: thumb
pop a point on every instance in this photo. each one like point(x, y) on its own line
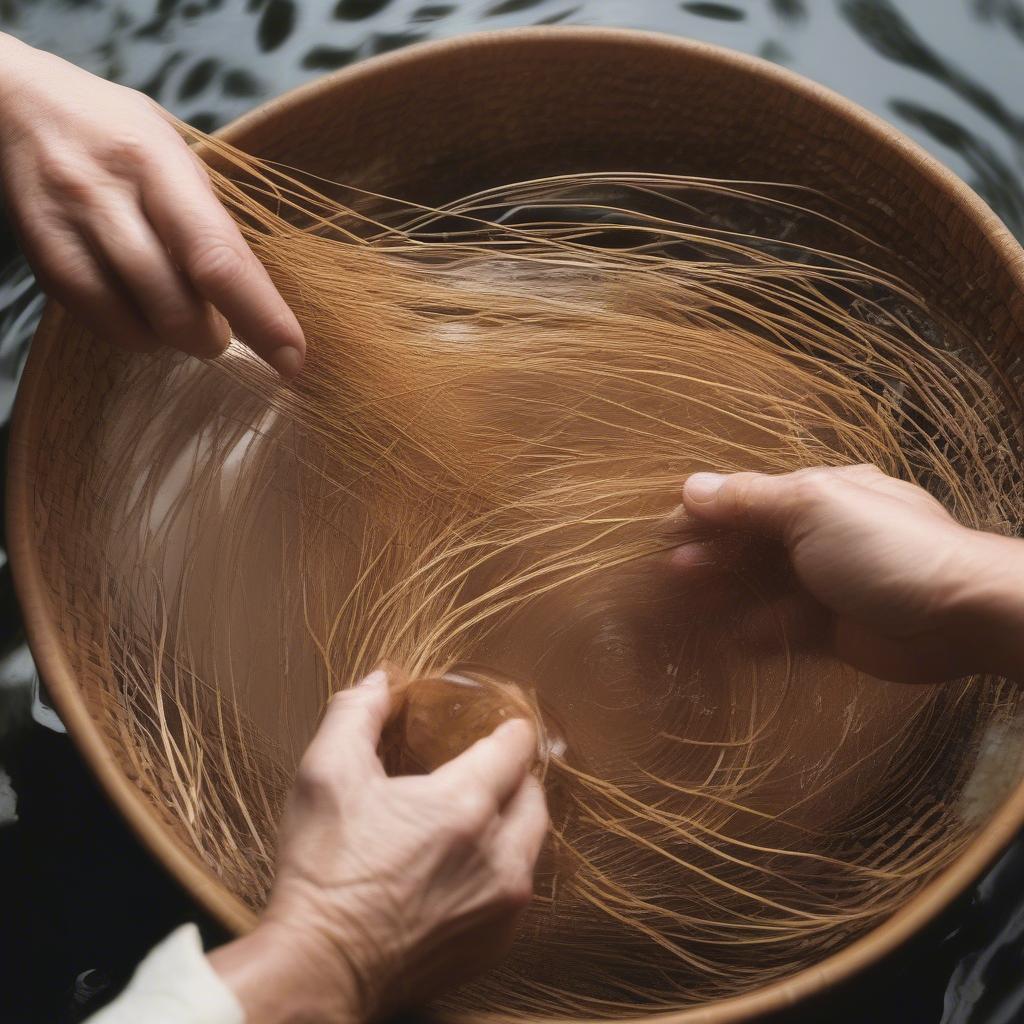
point(755, 503)
point(351, 727)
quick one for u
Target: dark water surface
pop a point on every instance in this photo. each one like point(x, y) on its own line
point(79, 901)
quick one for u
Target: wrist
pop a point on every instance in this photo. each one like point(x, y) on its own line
point(278, 980)
point(15, 57)
point(986, 613)
point(22, 69)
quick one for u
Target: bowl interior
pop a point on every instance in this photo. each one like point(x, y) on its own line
point(441, 122)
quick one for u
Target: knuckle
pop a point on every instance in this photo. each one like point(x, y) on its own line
point(66, 177)
point(216, 265)
point(179, 320)
point(461, 835)
point(65, 278)
point(316, 779)
point(813, 486)
point(47, 273)
point(144, 103)
point(741, 490)
point(471, 809)
point(127, 150)
point(351, 702)
point(515, 889)
point(861, 471)
point(177, 329)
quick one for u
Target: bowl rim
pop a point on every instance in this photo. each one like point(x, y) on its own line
point(186, 867)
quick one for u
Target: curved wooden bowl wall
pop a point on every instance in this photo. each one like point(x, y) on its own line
point(437, 121)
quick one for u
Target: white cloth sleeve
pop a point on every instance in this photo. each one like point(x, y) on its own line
point(175, 984)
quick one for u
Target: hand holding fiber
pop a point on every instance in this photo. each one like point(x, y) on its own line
point(390, 890)
point(897, 579)
point(118, 219)
point(436, 718)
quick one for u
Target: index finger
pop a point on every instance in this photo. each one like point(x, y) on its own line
point(206, 244)
point(499, 762)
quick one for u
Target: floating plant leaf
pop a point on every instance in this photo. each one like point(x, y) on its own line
point(556, 19)
point(511, 7)
point(720, 12)
point(327, 58)
point(790, 10)
point(198, 78)
point(775, 52)
point(241, 84)
point(357, 10)
point(206, 121)
point(432, 12)
point(276, 24)
point(387, 41)
point(154, 85)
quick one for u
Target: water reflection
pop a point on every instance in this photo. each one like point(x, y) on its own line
point(789, 10)
point(354, 10)
point(511, 7)
point(275, 24)
point(884, 28)
point(1007, 13)
point(433, 12)
point(952, 74)
point(994, 180)
point(720, 12)
point(327, 58)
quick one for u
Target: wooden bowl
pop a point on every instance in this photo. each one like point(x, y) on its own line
point(437, 121)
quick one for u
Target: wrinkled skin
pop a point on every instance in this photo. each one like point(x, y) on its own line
point(390, 890)
point(433, 719)
point(119, 222)
point(895, 586)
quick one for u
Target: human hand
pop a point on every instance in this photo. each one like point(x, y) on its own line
point(904, 591)
point(389, 890)
point(118, 220)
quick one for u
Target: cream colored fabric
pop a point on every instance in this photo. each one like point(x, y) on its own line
point(175, 984)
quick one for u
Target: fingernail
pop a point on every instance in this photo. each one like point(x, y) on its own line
point(703, 487)
point(287, 360)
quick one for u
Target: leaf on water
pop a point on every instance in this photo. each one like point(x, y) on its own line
point(198, 78)
point(789, 10)
point(555, 19)
point(276, 24)
point(154, 85)
point(720, 12)
point(775, 52)
point(386, 41)
point(432, 12)
point(242, 84)
point(206, 121)
point(327, 58)
point(356, 10)
point(511, 7)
